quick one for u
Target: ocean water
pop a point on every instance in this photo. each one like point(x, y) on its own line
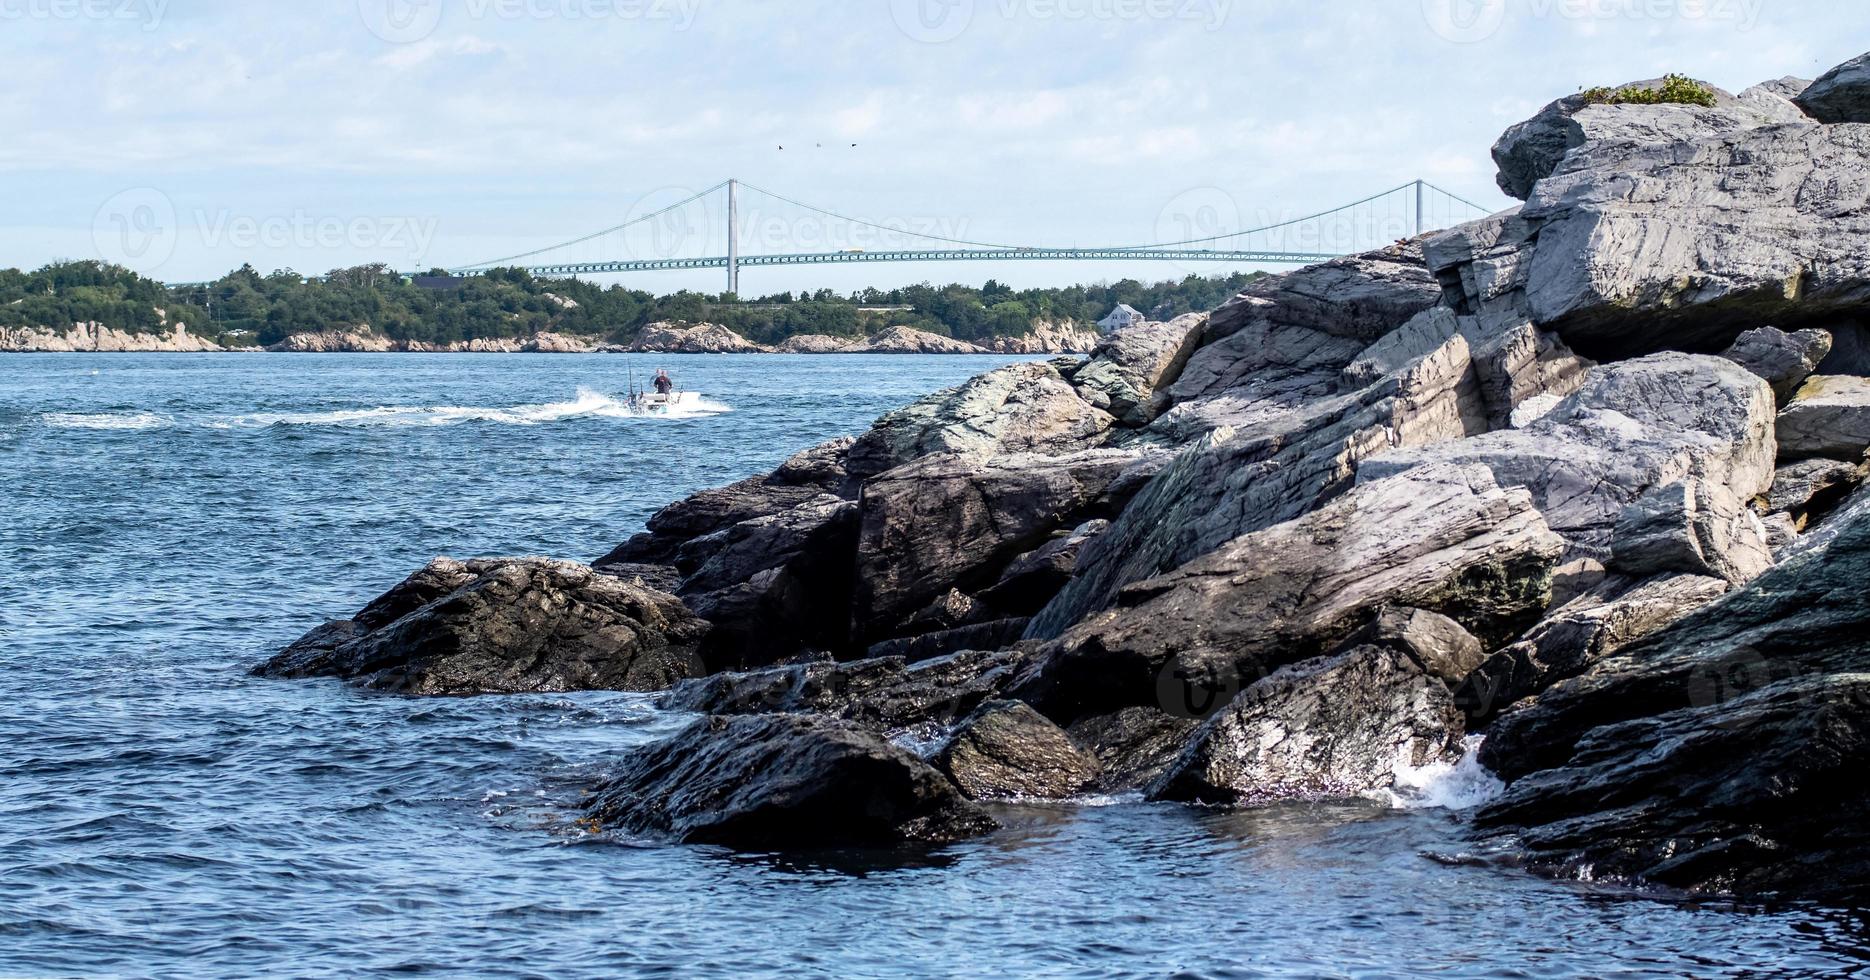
point(168, 520)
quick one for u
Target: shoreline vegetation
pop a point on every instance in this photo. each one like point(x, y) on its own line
point(96, 307)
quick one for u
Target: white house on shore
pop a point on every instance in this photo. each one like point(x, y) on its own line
point(1124, 315)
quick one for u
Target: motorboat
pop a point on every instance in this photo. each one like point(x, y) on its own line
point(654, 403)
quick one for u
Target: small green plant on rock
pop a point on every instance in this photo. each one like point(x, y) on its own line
point(1675, 89)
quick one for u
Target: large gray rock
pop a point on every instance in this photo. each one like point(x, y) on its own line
point(1444, 539)
point(1812, 488)
point(1522, 371)
point(1530, 151)
point(1630, 249)
point(956, 521)
point(1334, 727)
point(1287, 339)
point(1443, 647)
point(1691, 527)
point(504, 627)
point(1235, 483)
point(1125, 371)
point(783, 781)
point(1785, 360)
point(1829, 418)
point(1633, 426)
point(1579, 634)
point(1841, 95)
point(800, 480)
point(1006, 750)
point(1020, 408)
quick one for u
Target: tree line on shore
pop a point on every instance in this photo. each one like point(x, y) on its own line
point(245, 307)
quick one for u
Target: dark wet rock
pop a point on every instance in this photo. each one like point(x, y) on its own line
point(1235, 483)
point(1020, 408)
point(506, 626)
point(1133, 746)
point(1809, 616)
point(1841, 95)
point(955, 521)
point(1532, 150)
point(1829, 418)
point(1031, 580)
point(774, 585)
point(1691, 527)
point(662, 578)
point(1337, 726)
point(784, 781)
point(887, 693)
point(991, 635)
point(1633, 426)
point(1444, 539)
point(1006, 750)
point(1443, 647)
point(800, 480)
point(1785, 360)
point(1580, 633)
point(1131, 364)
point(1850, 349)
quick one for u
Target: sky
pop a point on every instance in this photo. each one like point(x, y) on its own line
point(185, 137)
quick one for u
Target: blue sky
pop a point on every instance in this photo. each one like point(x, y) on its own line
point(322, 133)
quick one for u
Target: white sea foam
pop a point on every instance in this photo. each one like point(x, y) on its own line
point(1460, 785)
point(587, 405)
point(136, 420)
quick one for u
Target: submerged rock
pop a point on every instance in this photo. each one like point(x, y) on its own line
point(784, 781)
point(505, 627)
point(1007, 750)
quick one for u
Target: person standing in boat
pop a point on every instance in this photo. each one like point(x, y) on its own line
point(664, 383)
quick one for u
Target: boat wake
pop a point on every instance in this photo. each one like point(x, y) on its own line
point(587, 405)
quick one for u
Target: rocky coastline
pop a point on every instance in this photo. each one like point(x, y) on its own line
point(1586, 478)
point(657, 338)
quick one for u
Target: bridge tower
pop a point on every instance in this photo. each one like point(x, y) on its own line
point(733, 237)
point(1419, 195)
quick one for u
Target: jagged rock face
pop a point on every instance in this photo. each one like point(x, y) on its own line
point(1021, 408)
point(1286, 340)
point(1579, 634)
point(784, 781)
point(1443, 647)
point(1841, 95)
point(1634, 425)
point(1633, 248)
point(886, 693)
point(1048, 338)
point(1443, 539)
point(1006, 750)
point(1333, 727)
point(1128, 367)
point(1811, 488)
point(706, 338)
point(1522, 371)
point(1829, 418)
point(1133, 746)
point(799, 481)
point(1530, 151)
point(505, 626)
point(956, 521)
point(334, 342)
point(1691, 527)
point(1031, 580)
point(815, 344)
point(97, 337)
point(908, 340)
point(1237, 483)
point(1785, 360)
point(774, 585)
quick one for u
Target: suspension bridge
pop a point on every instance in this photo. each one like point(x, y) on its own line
point(1372, 222)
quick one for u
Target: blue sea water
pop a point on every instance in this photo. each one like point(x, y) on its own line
point(166, 521)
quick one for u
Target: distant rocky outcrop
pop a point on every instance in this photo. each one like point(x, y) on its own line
point(706, 338)
point(335, 342)
point(98, 338)
point(811, 343)
point(908, 340)
point(1047, 337)
point(1586, 477)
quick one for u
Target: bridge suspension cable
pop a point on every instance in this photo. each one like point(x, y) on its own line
point(493, 263)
